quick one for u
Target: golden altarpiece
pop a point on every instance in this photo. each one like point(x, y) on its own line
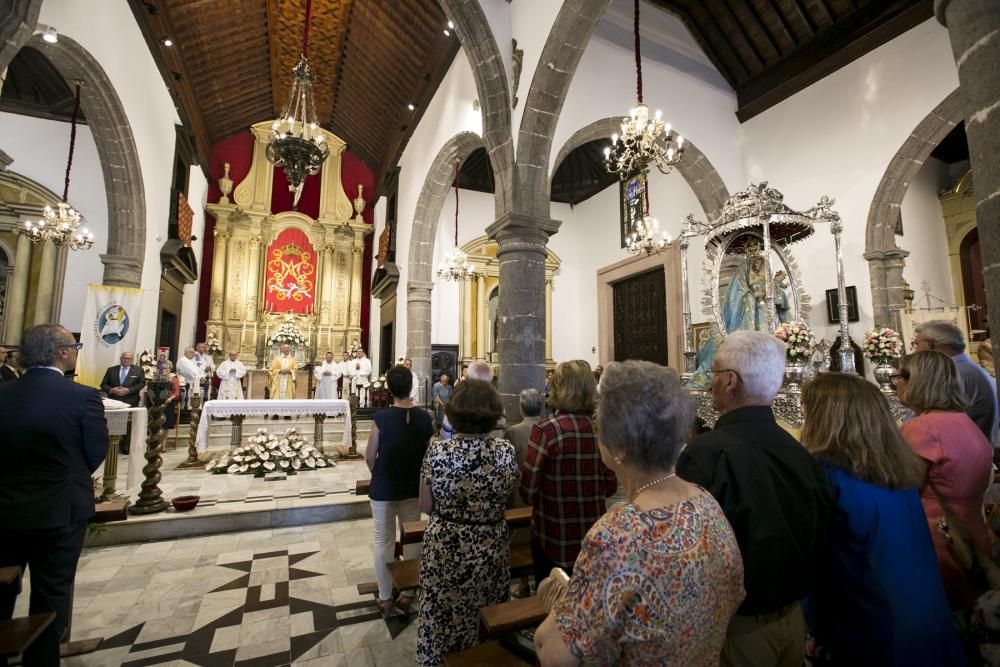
point(260, 282)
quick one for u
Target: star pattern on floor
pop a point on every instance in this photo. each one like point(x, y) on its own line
point(267, 605)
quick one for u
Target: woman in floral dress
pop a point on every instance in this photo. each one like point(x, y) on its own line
point(659, 578)
point(464, 487)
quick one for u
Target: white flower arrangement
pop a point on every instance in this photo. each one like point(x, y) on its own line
point(881, 345)
point(798, 338)
point(379, 383)
point(265, 452)
point(147, 362)
point(287, 333)
point(213, 343)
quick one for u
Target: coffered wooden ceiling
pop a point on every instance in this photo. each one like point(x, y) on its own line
point(770, 49)
point(231, 60)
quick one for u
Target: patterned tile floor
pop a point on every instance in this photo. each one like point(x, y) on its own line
point(256, 599)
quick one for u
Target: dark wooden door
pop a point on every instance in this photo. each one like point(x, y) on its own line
point(640, 318)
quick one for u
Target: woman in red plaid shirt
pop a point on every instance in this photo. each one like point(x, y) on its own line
point(563, 477)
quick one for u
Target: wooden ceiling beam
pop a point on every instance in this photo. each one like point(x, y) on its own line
point(785, 28)
point(379, 18)
point(762, 27)
point(825, 11)
point(737, 68)
point(803, 16)
point(169, 60)
point(740, 30)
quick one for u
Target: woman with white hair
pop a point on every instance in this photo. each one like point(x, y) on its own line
point(658, 578)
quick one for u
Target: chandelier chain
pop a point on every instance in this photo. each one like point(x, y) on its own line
point(638, 58)
point(72, 141)
point(305, 30)
point(458, 180)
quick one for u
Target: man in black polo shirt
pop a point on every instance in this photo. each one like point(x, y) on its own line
point(774, 495)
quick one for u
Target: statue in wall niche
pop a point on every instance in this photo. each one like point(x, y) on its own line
point(517, 62)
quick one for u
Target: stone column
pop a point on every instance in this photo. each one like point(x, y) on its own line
point(17, 292)
point(217, 299)
point(122, 270)
point(253, 280)
point(974, 29)
point(522, 258)
point(326, 286)
point(46, 283)
point(418, 326)
point(548, 320)
point(482, 315)
point(886, 270)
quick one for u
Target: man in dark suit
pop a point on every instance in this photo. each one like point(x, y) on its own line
point(54, 438)
point(123, 383)
point(7, 371)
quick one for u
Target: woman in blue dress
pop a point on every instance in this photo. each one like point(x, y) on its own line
point(879, 599)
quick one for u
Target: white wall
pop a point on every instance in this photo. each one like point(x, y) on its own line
point(449, 113)
point(109, 32)
point(924, 234)
point(39, 148)
point(837, 137)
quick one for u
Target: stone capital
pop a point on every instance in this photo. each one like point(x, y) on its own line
point(419, 290)
point(522, 229)
point(122, 270)
point(886, 255)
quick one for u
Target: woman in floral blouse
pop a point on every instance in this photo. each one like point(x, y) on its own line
point(659, 578)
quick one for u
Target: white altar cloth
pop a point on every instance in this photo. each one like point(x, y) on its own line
point(117, 422)
point(287, 408)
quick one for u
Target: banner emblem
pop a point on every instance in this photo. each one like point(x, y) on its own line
point(112, 323)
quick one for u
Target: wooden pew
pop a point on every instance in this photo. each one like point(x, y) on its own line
point(406, 573)
point(412, 532)
point(490, 653)
point(361, 487)
point(17, 634)
point(510, 616)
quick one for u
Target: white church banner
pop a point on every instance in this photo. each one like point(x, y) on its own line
point(910, 319)
point(110, 326)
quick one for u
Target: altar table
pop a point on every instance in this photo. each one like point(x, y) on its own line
point(258, 408)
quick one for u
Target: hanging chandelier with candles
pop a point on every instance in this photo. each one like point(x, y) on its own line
point(455, 266)
point(643, 141)
point(62, 225)
point(296, 143)
point(646, 237)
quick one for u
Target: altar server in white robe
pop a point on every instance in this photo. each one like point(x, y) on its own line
point(191, 371)
point(231, 372)
point(346, 372)
point(327, 374)
point(415, 391)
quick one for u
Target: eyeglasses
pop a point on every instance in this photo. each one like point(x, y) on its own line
point(727, 370)
point(75, 346)
point(896, 377)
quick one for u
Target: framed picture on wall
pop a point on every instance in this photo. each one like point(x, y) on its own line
point(833, 305)
point(700, 333)
point(633, 197)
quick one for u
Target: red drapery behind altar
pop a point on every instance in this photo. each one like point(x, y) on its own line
point(290, 274)
point(237, 150)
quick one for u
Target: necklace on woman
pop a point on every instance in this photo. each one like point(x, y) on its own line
point(649, 485)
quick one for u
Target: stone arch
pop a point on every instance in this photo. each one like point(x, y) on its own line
point(117, 152)
point(488, 71)
point(886, 259)
point(17, 23)
point(696, 168)
point(438, 182)
point(564, 46)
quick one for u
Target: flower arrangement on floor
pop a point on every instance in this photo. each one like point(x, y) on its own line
point(213, 343)
point(287, 333)
point(798, 338)
point(147, 362)
point(266, 452)
point(882, 345)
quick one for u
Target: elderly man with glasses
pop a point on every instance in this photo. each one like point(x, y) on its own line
point(773, 493)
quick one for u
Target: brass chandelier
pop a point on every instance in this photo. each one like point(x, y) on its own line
point(62, 225)
point(297, 144)
point(455, 266)
point(643, 141)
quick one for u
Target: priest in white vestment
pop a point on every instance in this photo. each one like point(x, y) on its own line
point(231, 372)
point(347, 372)
point(189, 369)
point(282, 375)
point(361, 374)
point(327, 374)
point(415, 391)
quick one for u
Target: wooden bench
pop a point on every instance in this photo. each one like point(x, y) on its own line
point(412, 532)
point(406, 573)
point(490, 653)
point(361, 487)
point(510, 616)
point(17, 634)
